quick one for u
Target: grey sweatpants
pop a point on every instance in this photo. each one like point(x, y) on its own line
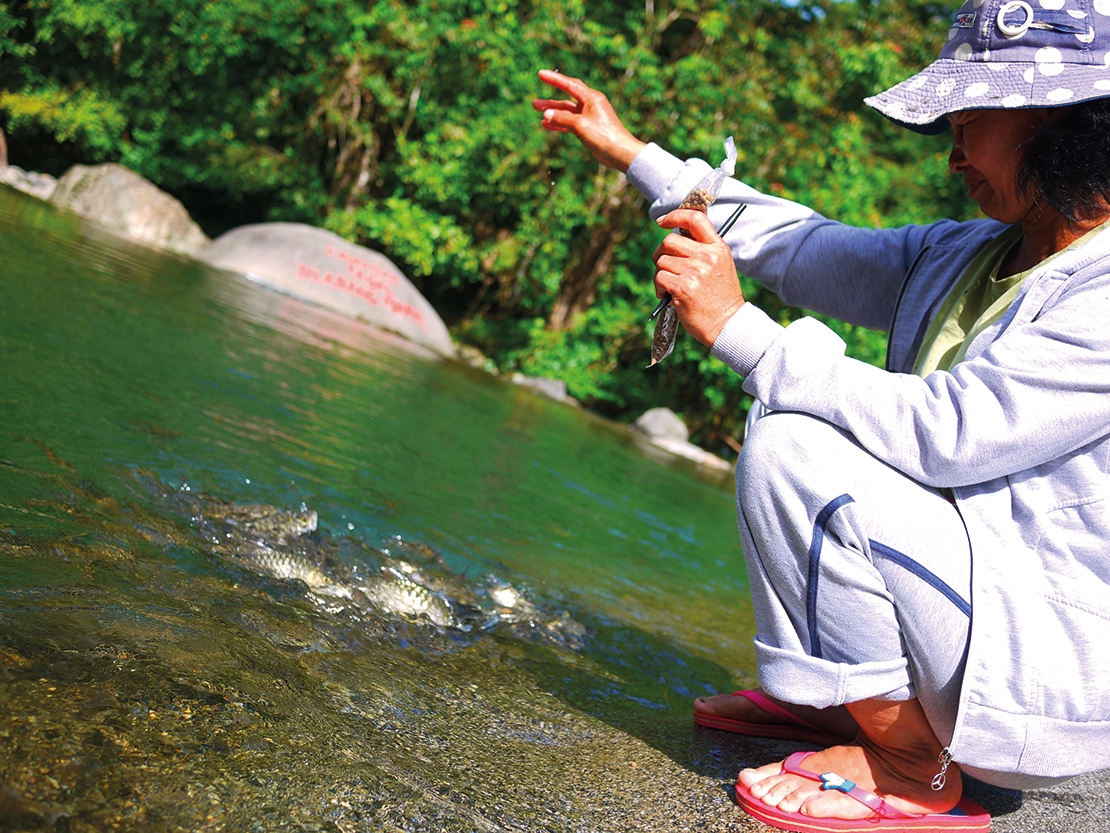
point(860, 576)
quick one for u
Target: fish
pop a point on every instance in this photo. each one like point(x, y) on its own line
point(393, 592)
point(286, 565)
point(414, 584)
point(666, 328)
point(267, 523)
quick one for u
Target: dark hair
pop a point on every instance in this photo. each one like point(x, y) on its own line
point(1067, 164)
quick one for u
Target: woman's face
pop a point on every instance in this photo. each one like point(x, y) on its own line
point(987, 148)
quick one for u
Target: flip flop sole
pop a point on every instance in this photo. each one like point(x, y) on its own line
point(966, 817)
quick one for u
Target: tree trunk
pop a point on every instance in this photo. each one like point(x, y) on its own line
point(584, 273)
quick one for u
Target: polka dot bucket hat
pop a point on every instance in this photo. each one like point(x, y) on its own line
point(1008, 54)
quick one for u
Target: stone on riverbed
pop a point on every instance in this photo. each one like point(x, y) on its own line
point(662, 424)
point(323, 268)
point(553, 388)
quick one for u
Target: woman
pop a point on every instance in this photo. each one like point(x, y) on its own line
point(929, 545)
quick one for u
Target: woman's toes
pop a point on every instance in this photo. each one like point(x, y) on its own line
point(754, 783)
point(833, 806)
point(784, 795)
point(795, 801)
point(752, 778)
point(714, 703)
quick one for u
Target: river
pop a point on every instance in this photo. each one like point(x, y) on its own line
point(153, 677)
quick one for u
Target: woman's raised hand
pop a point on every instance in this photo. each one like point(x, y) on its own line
point(591, 118)
point(697, 269)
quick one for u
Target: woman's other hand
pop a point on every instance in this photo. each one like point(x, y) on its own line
point(591, 118)
point(699, 272)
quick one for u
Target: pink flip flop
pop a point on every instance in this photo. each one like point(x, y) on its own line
point(965, 817)
point(792, 727)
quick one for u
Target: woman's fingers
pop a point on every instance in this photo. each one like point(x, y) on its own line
point(568, 84)
point(591, 118)
point(695, 223)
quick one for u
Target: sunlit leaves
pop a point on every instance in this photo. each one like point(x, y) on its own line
point(70, 114)
point(405, 125)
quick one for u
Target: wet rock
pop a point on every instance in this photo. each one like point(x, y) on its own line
point(16, 808)
point(119, 198)
point(323, 268)
point(666, 430)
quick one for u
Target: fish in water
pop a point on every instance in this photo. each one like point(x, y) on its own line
point(411, 581)
point(265, 522)
point(271, 541)
point(291, 565)
point(266, 539)
point(394, 592)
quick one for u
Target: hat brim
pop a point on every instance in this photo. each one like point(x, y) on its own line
point(922, 103)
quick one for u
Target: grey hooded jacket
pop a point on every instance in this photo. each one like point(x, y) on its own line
point(1019, 431)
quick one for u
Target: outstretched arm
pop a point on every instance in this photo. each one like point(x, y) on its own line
point(591, 118)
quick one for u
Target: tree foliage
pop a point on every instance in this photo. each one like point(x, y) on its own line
point(406, 126)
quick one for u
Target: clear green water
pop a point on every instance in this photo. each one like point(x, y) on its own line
point(147, 684)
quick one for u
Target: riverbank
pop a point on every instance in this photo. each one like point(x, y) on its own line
point(150, 745)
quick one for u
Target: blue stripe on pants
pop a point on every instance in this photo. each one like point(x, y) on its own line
point(823, 518)
point(923, 573)
point(899, 558)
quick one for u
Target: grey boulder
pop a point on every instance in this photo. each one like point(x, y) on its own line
point(122, 200)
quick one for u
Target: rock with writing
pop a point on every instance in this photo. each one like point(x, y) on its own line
point(323, 268)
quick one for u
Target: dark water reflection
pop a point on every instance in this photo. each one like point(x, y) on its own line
point(149, 683)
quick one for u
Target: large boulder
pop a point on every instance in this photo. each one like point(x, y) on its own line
point(119, 198)
point(323, 268)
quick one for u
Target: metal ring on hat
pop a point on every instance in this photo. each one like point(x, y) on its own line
point(1012, 30)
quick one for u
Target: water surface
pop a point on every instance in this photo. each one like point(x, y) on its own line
point(150, 681)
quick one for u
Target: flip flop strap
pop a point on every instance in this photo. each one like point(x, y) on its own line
point(775, 710)
point(832, 781)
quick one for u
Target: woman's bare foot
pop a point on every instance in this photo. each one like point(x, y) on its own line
point(910, 792)
point(836, 720)
point(893, 758)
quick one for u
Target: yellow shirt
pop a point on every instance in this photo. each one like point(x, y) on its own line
point(978, 299)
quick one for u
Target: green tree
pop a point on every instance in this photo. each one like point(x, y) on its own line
point(406, 126)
